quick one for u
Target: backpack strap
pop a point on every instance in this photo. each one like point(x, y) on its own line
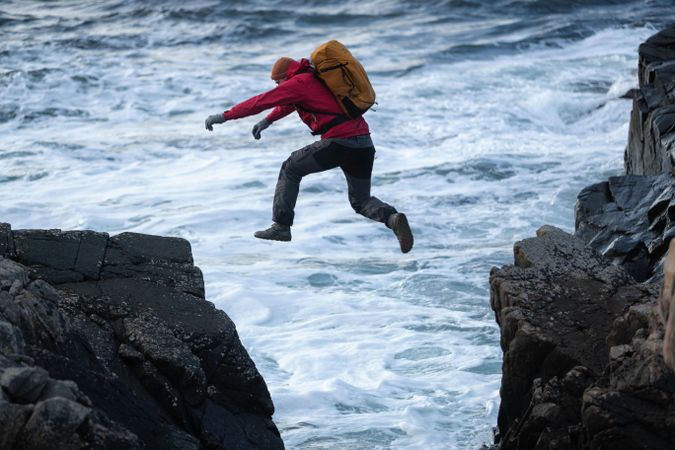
point(337, 120)
point(324, 70)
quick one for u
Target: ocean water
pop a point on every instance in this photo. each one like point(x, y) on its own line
point(492, 116)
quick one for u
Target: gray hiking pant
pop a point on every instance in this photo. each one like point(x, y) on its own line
point(353, 155)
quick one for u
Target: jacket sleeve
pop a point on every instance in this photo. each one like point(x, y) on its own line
point(279, 113)
point(284, 95)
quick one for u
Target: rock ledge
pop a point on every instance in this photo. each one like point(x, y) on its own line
point(581, 328)
point(108, 343)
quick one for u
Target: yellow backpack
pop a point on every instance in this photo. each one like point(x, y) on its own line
point(345, 77)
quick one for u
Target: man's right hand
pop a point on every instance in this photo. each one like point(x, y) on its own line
point(258, 127)
point(211, 120)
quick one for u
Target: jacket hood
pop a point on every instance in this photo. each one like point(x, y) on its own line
point(296, 67)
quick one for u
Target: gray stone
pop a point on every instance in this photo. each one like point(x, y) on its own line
point(54, 423)
point(128, 353)
point(48, 249)
point(625, 420)
point(546, 412)
point(583, 341)
point(161, 388)
point(38, 318)
point(11, 273)
point(61, 256)
point(99, 432)
point(164, 260)
point(576, 380)
point(651, 138)
point(13, 417)
point(139, 338)
point(169, 354)
point(6, 240)
point(11, 340)
point(24, 384)
point(633, 224)
point(133, 247)
point(254, 434)
point(625, 326)
point(177, 439)
point(555, 308)
point(195, 321)
point(61, 421)
point(220, 437)
point(237, 379)
point(65, 389)
point(90, 253)
point(591, 200)
point(657, 49)
point(620, 351)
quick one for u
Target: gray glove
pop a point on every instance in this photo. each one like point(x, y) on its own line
point(216, 118)
point(258, 127)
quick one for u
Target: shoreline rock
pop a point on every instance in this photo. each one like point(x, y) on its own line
point(580, 324)
point(650, 137)
point(108, 342)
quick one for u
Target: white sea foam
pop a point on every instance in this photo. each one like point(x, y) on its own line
point(361, 347)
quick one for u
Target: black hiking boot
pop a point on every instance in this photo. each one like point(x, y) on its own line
point(399, 225)
point(276, 232)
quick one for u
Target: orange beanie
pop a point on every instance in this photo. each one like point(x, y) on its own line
point(280, 68)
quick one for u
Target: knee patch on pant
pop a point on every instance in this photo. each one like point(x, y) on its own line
point(358, 204)
point(288, 168)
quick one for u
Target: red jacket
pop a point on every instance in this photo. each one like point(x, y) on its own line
point(301, 91)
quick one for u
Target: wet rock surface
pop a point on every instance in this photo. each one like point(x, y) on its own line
point(582, 344)
point(581, 326)
point(651, 138)
point(108, 342)
point(629, 219)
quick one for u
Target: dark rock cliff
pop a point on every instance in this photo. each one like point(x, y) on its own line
point(580, 327)
point(651, 140)
point(108, 342)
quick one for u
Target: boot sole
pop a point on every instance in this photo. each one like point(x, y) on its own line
point(270, 238)
point(403, 233)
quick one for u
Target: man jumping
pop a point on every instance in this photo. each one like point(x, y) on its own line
point(344, 143)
